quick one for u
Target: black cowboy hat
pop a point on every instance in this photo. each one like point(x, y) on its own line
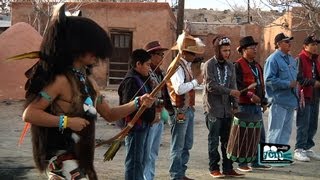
point(246, 42)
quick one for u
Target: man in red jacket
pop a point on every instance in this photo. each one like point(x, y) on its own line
point(307, 116)
point(251, 101)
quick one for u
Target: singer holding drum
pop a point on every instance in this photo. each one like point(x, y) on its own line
point(251, 101)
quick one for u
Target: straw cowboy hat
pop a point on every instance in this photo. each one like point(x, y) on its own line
point(154, 46)
point(191, 44)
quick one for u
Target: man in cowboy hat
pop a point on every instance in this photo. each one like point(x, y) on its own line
point(163, 101)
point(181, 89)
point(280, 79)
point(250, 101)
point(308, 111)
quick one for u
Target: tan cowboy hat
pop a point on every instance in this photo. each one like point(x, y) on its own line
point(191, 44)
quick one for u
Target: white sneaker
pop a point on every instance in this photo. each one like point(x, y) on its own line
point(300, 155)
point(311, 154)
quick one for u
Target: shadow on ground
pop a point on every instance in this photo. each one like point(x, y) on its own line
point(12, 168)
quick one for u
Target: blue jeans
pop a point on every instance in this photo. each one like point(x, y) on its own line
point(218, 127)
point(135, 153)
point(181, 143)
point(254, 109)
point(279, 124)
point(152, 149)
point(307, 123)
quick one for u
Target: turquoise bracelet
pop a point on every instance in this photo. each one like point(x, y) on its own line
point(136, 102)
point(61, 121)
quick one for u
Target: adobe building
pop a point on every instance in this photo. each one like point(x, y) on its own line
point(130, 26)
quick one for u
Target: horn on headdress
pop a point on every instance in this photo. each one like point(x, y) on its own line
point(59, 13)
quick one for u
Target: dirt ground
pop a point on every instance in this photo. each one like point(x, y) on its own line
point(17, 162)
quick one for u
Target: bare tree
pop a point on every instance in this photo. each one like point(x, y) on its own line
point(5, 7)
point(309, 14)
point(42, 11)
point(254, 11)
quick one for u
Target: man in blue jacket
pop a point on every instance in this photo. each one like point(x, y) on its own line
point(280, 74)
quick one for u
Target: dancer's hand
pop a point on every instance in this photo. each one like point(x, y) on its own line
point(77, 123)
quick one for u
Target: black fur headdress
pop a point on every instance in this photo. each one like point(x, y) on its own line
point(67, 38)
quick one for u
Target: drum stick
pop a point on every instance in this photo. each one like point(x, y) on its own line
point(251, 86)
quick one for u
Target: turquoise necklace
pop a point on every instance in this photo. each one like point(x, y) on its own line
point(223, 81)
point(88, 106)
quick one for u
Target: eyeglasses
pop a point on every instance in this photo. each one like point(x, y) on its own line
point(251, 47)
point(224, 40)
point(160, 54)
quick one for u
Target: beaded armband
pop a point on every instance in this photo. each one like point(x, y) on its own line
point(46, 96)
